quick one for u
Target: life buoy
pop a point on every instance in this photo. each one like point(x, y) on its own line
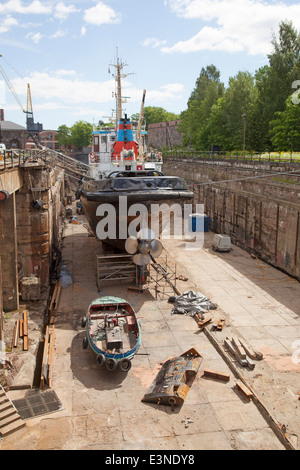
point(93, 157)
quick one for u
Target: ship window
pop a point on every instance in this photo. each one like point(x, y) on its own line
point(96, 140)
point(103, 139)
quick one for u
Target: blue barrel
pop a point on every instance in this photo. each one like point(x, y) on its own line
point(198, 223)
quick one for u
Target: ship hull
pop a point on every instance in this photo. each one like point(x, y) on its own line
point(122, 198)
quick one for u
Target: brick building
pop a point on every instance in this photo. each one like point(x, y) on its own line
point(164, 134)
point(49, 139)
point(11, 134)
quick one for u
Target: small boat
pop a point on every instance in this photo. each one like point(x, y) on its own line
point(113, 332)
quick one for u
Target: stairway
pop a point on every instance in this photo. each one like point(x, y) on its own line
point(10, 420)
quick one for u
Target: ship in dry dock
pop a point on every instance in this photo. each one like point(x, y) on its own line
point(121, 167)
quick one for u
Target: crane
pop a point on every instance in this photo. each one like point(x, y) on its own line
point(33, 129)
point(139, 129)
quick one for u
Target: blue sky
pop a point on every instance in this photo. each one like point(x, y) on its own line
point(63, 49)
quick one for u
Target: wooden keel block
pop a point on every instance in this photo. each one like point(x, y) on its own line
point(213, 374)
point(247, 394)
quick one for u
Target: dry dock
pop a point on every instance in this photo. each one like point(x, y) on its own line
point(103, 410)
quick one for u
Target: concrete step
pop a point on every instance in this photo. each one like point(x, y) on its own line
point(9, 411)
point(12, 426)
point(10, 420)
point(5, 405)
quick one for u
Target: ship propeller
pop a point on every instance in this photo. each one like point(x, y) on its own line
point(143, 247)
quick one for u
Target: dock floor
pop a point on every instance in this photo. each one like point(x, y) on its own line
point(103, 410)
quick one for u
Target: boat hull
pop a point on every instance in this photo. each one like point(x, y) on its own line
point(105, 317)
point(122, 195)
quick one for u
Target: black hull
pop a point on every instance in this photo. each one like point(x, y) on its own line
point(132, 191)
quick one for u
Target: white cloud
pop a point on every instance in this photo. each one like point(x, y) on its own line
point(18, 6)
point(35, 37)
point(62, 11)
point(166, 92)
point(154, 42)
point(7, 24)
point(240, 25)
point(65, 89)
point(58, 34)
point(83, 31)
point(101, 14)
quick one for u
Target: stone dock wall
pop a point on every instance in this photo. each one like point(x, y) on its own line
point(261, 214)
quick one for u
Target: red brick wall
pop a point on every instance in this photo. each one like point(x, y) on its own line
point(164, 134)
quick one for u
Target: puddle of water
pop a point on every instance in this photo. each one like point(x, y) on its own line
point(65, 278)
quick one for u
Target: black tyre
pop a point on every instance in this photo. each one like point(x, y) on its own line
point(125, 365)
point(111, 364)
point(83, 322)
point(100, 360)
point(85, 343)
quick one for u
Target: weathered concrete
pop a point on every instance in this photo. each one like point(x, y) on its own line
point(104, 411)
point(11, 180)
point(28, 234)
point(260, 214)
point(9, 254)
point(39, 229)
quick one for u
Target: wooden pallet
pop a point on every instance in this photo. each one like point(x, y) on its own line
point(10, 420)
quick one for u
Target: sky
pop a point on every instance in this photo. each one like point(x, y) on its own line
point(65, 51)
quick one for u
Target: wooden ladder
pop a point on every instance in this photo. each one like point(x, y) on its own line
point(10, 420)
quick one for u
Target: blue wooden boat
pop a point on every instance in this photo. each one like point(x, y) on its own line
point(113, 332)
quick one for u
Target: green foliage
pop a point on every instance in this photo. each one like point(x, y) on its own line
point(153, 114)
point(194, 120)
point(214, 114)
point(63, 135)
point(285, 128)
point(79, 135)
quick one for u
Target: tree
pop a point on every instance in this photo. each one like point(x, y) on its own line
point(285, 128)
point(63, 135)
point(81, 134)
point(225, 126)
point(207, 91)
point(274, 81)
point(153, 114)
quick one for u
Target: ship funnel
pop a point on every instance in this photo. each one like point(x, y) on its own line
point(143, 247)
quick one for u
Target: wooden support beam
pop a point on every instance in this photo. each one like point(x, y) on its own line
point(202, 323)
point(244, 390)
point(45, 358)
point(50, 357)
point(25, 330)
point(216, 375)
point(15, 335)
point(219, 323)
point(47, 372)
point(54, 303)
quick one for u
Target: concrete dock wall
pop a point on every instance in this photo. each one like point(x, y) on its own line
point(29, 233)
point(260, 214)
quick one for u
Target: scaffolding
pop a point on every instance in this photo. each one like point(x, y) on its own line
point(162, 278)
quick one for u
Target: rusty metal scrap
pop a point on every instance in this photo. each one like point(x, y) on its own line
point(174, 379)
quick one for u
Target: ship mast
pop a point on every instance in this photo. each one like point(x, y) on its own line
point(118, 94)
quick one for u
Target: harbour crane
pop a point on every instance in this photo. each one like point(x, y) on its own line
point(33, 129)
